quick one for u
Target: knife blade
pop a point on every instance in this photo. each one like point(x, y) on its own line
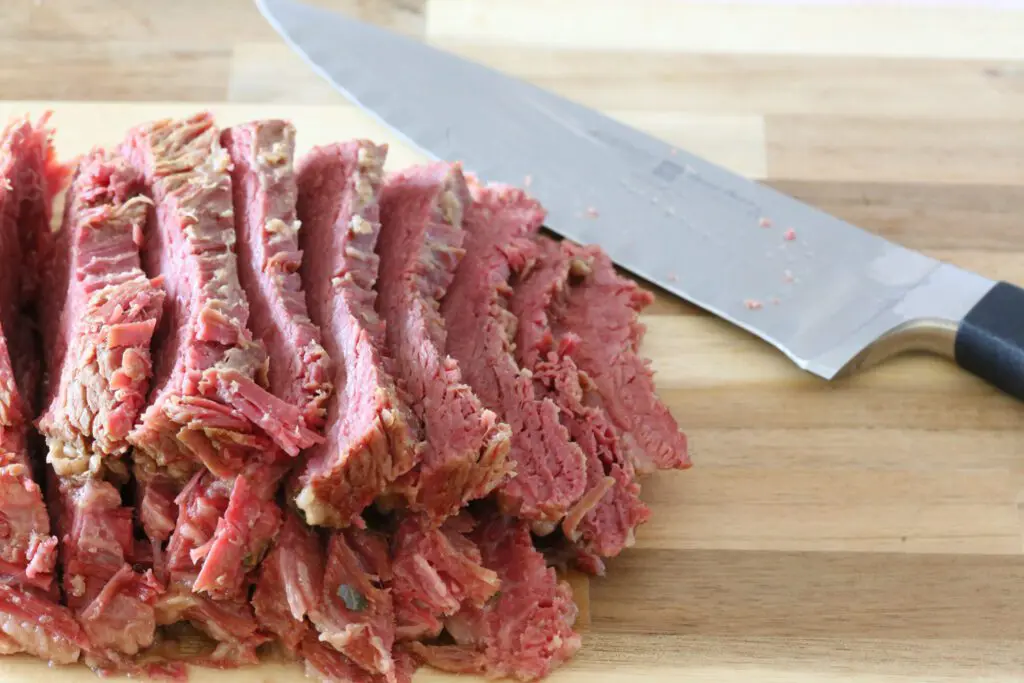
point(831, 296)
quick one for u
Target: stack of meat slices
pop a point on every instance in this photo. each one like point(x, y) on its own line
point(305, 403)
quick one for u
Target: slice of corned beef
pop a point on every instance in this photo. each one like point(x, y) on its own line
point(550, 468)
point(224, 528)
point(527, 630)
point(436, 572)
point(420, 248)
point(604, 520)
point(290, 582)
point(369, 437)
point(31, 621)
point(227, 632)
point(354, 613)
point(208, 408)
point(112, 602)
point(330, 666)
point(330, 609)
point(599, 312)
point(98, 315)
point(263, 182)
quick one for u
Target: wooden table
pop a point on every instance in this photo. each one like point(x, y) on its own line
point(869, 530)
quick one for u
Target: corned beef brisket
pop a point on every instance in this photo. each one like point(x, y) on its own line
point(420, 247)
point(527, 629)
point(604, 520)
point(98, 312)
point(369, 436)
point(263, 182)
point(599, 311)
point(31, 620)
point(209, 410)
point(350, 403)
point(499, 223)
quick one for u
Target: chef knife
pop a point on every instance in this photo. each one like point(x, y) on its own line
point(833, 297)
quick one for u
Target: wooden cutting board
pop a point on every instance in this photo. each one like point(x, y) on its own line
point(869, 530)
point(869, 527)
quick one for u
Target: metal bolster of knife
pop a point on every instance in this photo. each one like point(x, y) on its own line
point(932, 318)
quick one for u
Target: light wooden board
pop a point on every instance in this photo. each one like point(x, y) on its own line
point(869, 530)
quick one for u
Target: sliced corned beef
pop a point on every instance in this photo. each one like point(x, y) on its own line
point(436, 572)
point(420, 247)
point(600, 312)
point(113, 603)
point(603, 521)
point(98, 315)
point(207, 408)
point(290, 582)
point(550, 468)
point(330, 666)
point(527, 630)
point(263, 182)
point(228, 625)
point(34, 623)
point(340, 593)
point(224, 528)
point(354, 613)
point(369, 439)
point(31, 621)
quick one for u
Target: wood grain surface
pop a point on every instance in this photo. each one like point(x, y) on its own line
point(867, 530)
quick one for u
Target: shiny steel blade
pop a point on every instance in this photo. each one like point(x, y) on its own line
point(816, 287)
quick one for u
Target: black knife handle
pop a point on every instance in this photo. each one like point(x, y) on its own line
point(990, 339)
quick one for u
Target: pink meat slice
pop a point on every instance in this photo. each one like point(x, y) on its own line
point(99, 313)
point(113, 603)
point(527, 630)
point(369, 436)
point(604, 520)
point(354, 612)
point(31, 620)
point(209, 409)
point(600, 312)
point(229, 624)
point(290, 582)
point(325, 664)
point(550, 468)
point(328, 607)
point(265, 192)
point(420, 248)
point(437, 571)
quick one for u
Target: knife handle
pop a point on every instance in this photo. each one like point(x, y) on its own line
point(990, 339)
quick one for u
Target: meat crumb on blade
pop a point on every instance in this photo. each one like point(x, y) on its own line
point(420, 247)
point(370, 434)
point(604, 520)
point(31, 619)
point(500, 223)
